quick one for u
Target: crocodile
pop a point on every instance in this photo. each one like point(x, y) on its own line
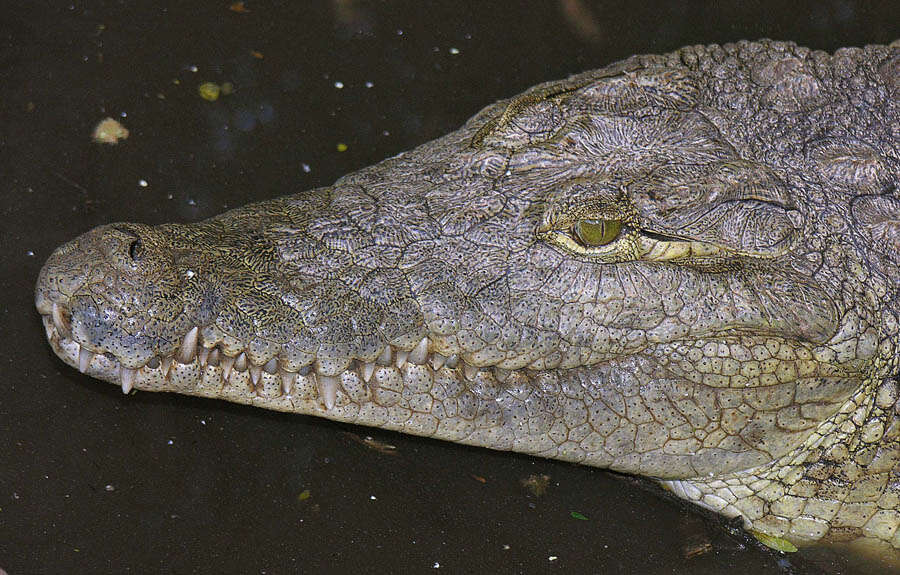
point(682, 266)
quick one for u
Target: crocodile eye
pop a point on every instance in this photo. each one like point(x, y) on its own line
point(135, 249)
point(597, 232)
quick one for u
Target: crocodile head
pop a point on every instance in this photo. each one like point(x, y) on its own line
point(609, 269)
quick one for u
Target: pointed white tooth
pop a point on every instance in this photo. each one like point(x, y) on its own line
point(384, 358)
point(84, 359)
point(470, 371)
point(419, 354)
point(188, 347)
point(287, 381)
point(401, 358)
point(255, 373)
point(213, 358)
point(166, 365)
point(203, 354)
point(240, 362)
point(128, 377)
point(50, 329)
point(437, 361)
point(367, 371)
point(271, 366)
point(59, 321)
point(327, 389)
point(452, 361)
point(227, 364)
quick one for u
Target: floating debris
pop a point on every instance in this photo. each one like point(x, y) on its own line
point(696, 550)
point(372, 443)
point(536, 484)
point(109, 131)
point(209, 91)
point(579, 516)
point(304, 495)
point(341, 147)
point(239, 8)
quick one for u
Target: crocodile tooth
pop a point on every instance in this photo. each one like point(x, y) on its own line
point(419, 353)
point(287, 381)
point(128, 377)
point(384, 358)
point(470, 371)
point(203, 354)
point(230, 381)
point(50, 329)
point(240, 363)
point(271, 366)
point(501, 374)
point(401, 358)
point(255, 372)
point(227, 364)
point(213, 356)
point(59, 320)
point(84, 359)
point(452, 361)
point(189, 346)
point(166, 365)
point(327, 385)
point(437, 361)
point(367, 370)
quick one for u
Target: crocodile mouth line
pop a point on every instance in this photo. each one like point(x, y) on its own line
point(326, 380)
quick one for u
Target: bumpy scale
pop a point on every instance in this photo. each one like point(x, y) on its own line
point(682, 266)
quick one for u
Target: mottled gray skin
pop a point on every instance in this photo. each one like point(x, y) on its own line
point(734, 334)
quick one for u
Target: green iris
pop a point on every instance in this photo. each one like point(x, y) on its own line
point(597, 232)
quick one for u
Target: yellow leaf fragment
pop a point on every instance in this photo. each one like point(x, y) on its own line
point(773, 542)
point(209, 91)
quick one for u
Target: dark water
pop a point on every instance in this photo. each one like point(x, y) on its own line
point(93, 482)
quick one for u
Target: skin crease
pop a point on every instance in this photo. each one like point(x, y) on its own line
point(681, 266)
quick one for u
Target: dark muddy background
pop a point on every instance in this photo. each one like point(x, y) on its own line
point(95, 482)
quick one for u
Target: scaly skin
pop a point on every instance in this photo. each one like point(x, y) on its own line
point(681, 266)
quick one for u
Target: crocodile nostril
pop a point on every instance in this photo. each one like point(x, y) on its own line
point(136, 249)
